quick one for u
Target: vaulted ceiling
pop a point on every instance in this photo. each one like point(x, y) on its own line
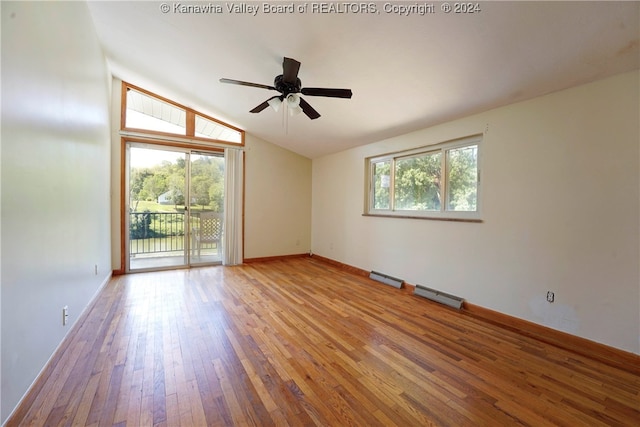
point(406, 72)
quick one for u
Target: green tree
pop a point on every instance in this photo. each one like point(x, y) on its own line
point(207, 182)
point(463, 179)
point(417, 182)
point(180, 163)
point(136, 184)
point(175, 185)
point(207, 187)
point(216, 196)
point(140, 226)
point(200, 189)
point(155, 185)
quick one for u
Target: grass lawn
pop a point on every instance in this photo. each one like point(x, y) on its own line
point(145, 205)
point(167, 226)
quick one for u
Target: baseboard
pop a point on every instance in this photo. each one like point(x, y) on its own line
point(406, 287)
point(611, 356)
point(351, 269)
point(603, 353)
point(27, 399)
point(274, 258)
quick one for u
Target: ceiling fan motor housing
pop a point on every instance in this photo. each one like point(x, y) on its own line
point(286, 88)
point(288, 84)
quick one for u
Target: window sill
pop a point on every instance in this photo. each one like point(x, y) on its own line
point(430, 218)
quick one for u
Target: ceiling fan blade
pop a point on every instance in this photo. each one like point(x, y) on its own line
point(308, 109)
point(290, 68)
point(241, 83)
point(332, 93)
point(264, 105)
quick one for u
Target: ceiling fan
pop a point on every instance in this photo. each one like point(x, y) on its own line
point(290, 88)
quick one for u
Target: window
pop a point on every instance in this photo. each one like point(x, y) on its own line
point(440, 181)
point(149, 113)
point(142, 111)
point(206, 128)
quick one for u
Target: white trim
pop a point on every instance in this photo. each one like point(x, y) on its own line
point(443, 213)
point(452, 143)
point(180, 139)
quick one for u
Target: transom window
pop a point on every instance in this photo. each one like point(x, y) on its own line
point(440, 181)
point(146, 112)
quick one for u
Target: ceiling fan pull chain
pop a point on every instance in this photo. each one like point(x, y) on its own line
point(286, 118)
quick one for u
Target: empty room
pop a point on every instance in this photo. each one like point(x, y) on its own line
point(235, 213)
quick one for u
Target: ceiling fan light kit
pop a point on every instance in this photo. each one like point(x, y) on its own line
point(290, 88)
point(293, 104)
point(275, 103)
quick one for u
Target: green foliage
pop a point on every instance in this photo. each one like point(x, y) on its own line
point(175, 184)
point(154, 186)
point(150, 219)
point(207, 182)
point(200, 190)
point(216, 196)
point(147, 224)
point(136, 184)
point(463, 179)
point(140, 225)
point(382, 179)
point(417, 183)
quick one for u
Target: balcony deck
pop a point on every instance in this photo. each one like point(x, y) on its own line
point(157, 241)
point(158, 261)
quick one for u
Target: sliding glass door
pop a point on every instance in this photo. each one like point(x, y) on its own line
point(206, 189)
point(174, 212)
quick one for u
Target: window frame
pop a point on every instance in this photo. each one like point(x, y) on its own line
point(442, 214)
point(190, 128)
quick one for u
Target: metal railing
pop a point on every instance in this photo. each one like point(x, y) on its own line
point(153, 232)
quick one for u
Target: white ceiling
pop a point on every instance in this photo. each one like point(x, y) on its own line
point(406, 72)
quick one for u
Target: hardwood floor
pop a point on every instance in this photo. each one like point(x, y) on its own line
point(300, 342)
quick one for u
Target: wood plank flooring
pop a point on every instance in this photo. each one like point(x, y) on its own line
point(298, 342)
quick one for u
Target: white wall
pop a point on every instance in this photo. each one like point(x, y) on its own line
point(55, 181)
point(560, 204)
point(277, 201)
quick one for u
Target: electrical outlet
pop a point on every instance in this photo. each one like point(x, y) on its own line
point(550, 296)
point(65, 315)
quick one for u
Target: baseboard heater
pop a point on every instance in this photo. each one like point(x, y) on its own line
point(387, 280)
point(441, 297)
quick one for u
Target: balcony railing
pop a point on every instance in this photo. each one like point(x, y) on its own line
point(162, 232)
point(153, 232)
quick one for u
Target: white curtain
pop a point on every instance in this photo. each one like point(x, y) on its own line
point(233, 196)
